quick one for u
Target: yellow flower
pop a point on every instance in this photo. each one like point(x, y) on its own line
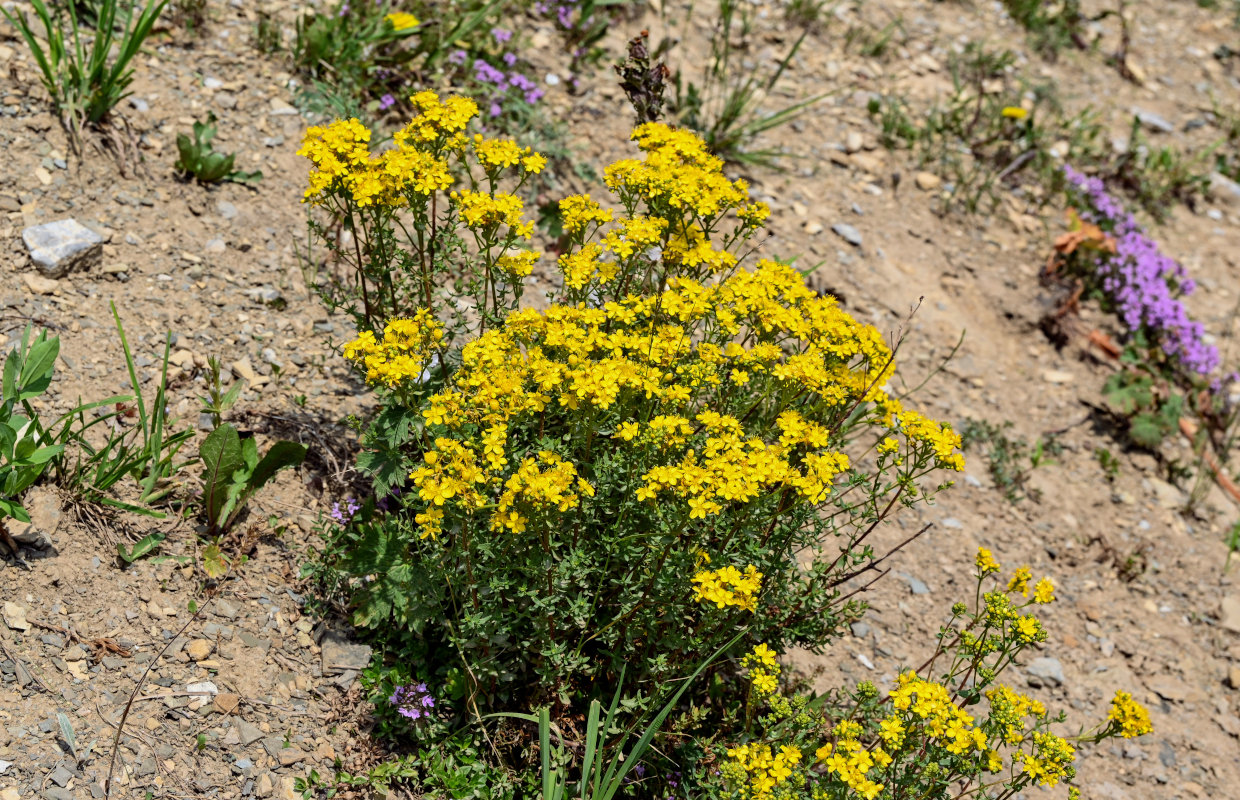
point(1130, 717)
point(1015, 112)
point(401, 20)
point(1020, 581)
point(986, 563)
point(1044, 592)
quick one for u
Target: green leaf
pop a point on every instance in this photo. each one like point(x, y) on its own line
point(142, 547)
point(281, 455)
point(221, 457)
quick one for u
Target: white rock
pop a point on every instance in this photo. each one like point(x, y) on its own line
point(15, 617)
point(64, 246)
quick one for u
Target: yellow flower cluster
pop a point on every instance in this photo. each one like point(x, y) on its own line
point(1050, 761)
point(763, 670)
point(985, 562)
point(1129, 716)
point(538, 486)
point(579, 212)
point(728, 586)
point(485, 211)
point(418, 164)
point(1008, 711)
point(852, 761)
point(762, 770)
point(401, 20)
point(679, 172)
point(402, 355)
point(930, 704)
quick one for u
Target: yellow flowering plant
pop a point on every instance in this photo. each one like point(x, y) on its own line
point(684, 444)
point(947, 729)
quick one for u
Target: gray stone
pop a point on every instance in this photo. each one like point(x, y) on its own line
point(267, 295)
point(1223, 189)
point(64, 246)
point(250, 640)
point(915, 585)
point(848, 233)
point(227, 609)
point(1044, 672)
point(1152, 121)
point(339, 654)
point(248, 733)
point(226, 209)
point(59, 793)
point(139, 105)
point(60, 776)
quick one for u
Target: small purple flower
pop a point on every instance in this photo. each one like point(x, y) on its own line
point(485, 73)
point(344, 9)
point(533, 96)
point(518, 81)
point(501, 34)
point(386, 102)
point(496, 110)
point(412, 701)
point(565, 15)
point(457, 57)
point(343, 515)
point(541, 9)
point(510, 58)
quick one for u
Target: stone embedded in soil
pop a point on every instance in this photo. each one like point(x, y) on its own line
point(1229, 613)
point(15, 617)
point(40, 285)
point(64, 246)
point(1223, 189)
point(1152, 121)
point(339, 654)
point(848, 233)
point(927, 181)
point(1044, 672)
point(248, 733)
point(1233, 676)
point(199, 649)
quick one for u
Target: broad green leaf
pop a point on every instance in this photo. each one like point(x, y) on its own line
point(221, 457)
point(281, 455)
point(40, 362)
point(142, 547)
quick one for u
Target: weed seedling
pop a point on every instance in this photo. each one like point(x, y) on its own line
point(198, 160)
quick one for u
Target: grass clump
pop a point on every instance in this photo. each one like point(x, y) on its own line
point(86, 73)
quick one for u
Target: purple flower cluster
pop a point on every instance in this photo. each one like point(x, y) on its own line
point(1144, 284)
point(413, 701)
point(485, 72)
point(342, 514)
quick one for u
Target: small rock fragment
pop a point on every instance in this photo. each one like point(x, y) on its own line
point(15, 617)
point(1045, 672)
point(927, 181)
point(39, 284)
point(199, 649)
point(64, 246)
point(848, 233)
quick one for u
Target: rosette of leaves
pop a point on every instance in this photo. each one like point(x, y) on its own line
point(200, 160)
